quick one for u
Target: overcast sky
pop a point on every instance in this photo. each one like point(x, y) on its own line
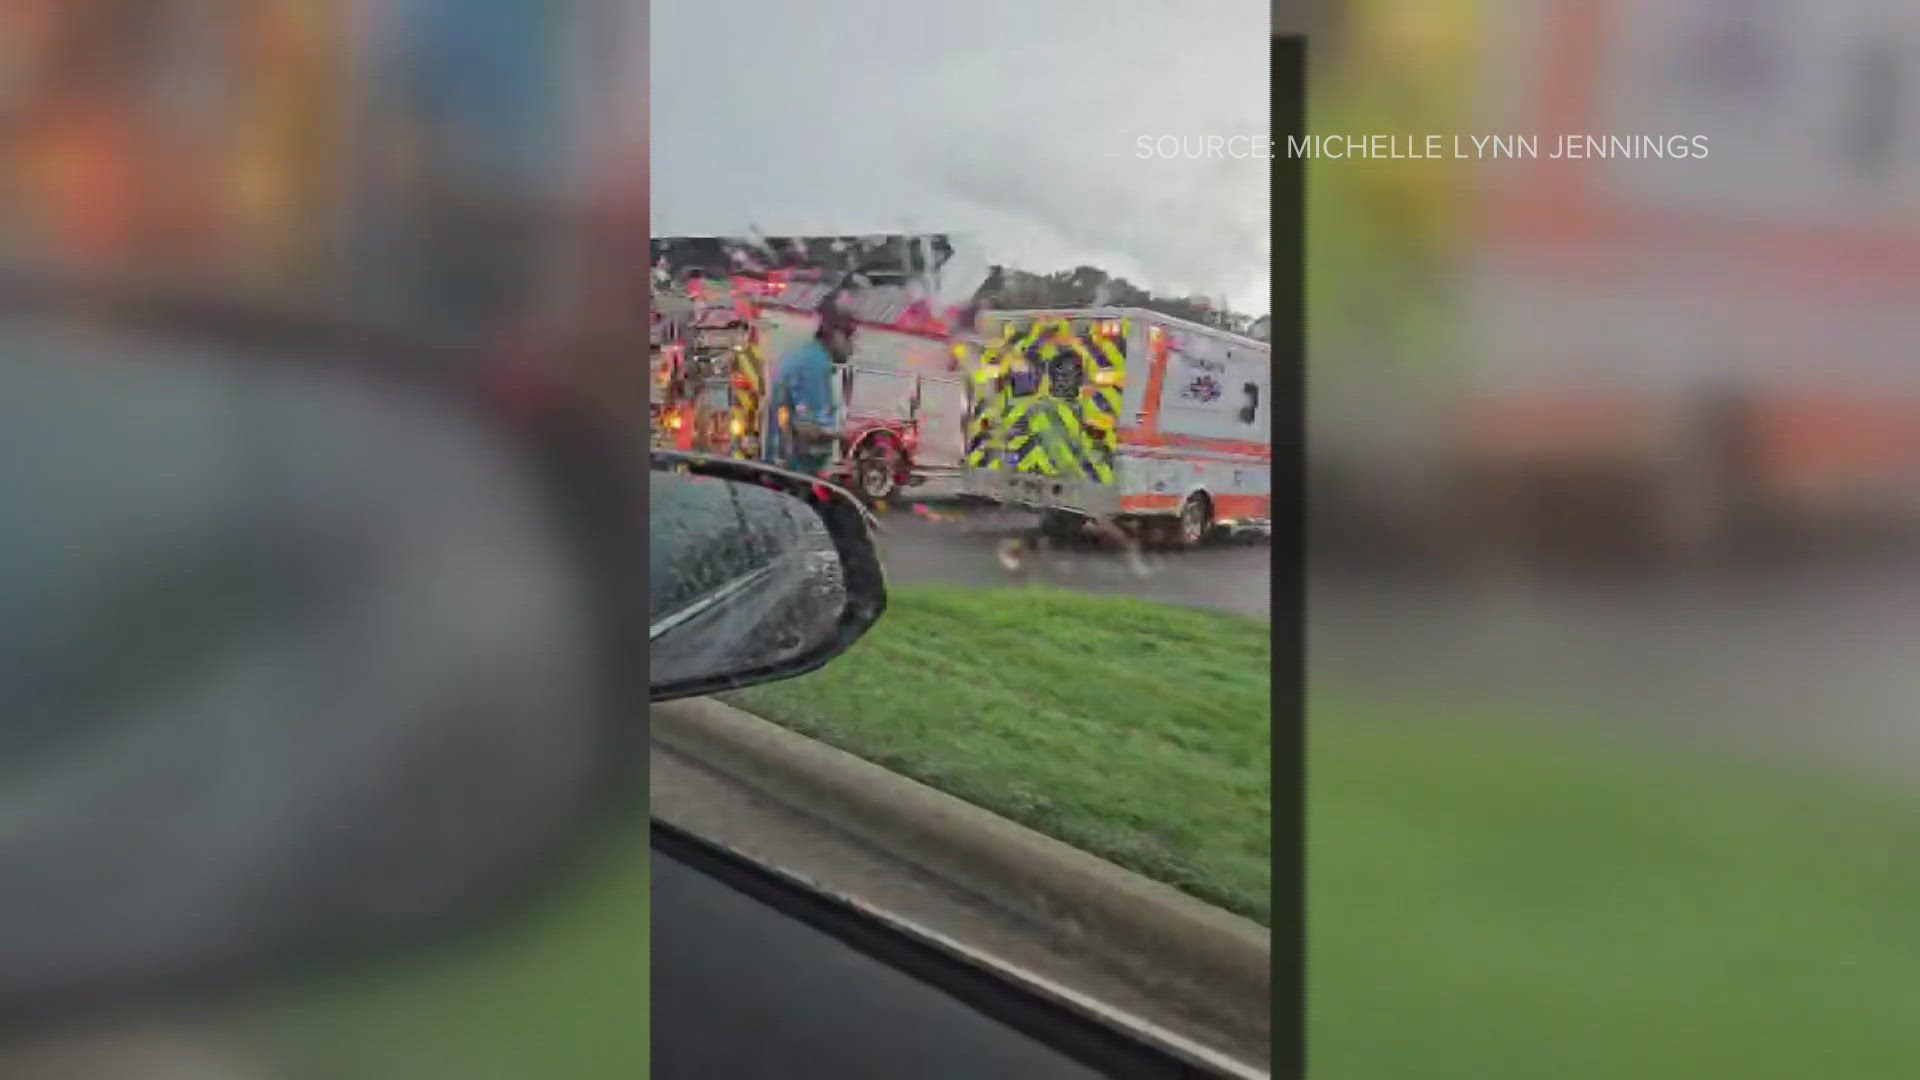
point(1016, 123)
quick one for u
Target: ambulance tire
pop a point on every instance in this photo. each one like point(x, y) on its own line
point(1194, 525)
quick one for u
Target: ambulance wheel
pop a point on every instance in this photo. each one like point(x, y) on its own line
point(874, 473)
point(1195, 524)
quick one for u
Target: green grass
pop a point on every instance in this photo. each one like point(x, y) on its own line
point(560, 991)
point(1489, 896)
point(1490, 901)
point(1132, 730)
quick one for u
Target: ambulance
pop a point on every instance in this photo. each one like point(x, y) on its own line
point(1122, 416)
point(1678, 354)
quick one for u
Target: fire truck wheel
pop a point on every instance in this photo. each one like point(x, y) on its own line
point(874, 470)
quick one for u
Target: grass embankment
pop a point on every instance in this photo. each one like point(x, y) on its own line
point(1487, 898)
point(1490, 900)
point(1132, 730)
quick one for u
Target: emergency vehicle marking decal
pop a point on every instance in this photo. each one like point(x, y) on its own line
point(1204, 388)
point(1048, 397)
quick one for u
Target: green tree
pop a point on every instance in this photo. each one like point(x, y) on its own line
point(1087, 286)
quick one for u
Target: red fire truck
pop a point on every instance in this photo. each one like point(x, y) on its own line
point(903, 395)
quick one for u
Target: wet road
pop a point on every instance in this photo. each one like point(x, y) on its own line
point(968, 546)
point(1815, 662)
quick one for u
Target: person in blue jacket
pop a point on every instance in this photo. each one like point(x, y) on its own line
point(806, 416)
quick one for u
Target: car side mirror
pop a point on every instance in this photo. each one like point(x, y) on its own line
point(755, 574)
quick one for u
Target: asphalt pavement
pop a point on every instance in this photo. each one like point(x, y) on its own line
point(1814, 662)
point(956, 544)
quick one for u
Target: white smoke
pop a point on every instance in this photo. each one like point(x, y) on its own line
point(963, 273)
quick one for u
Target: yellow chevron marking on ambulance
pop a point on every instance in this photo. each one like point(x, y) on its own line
point(1077, 430)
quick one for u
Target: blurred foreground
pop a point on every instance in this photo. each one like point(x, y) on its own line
point(477, 174)
point(1631, 361)
point(1616, 465)
point(303, 305)
point(1639, 434)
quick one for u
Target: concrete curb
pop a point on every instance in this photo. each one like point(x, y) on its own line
point(1166, 937)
